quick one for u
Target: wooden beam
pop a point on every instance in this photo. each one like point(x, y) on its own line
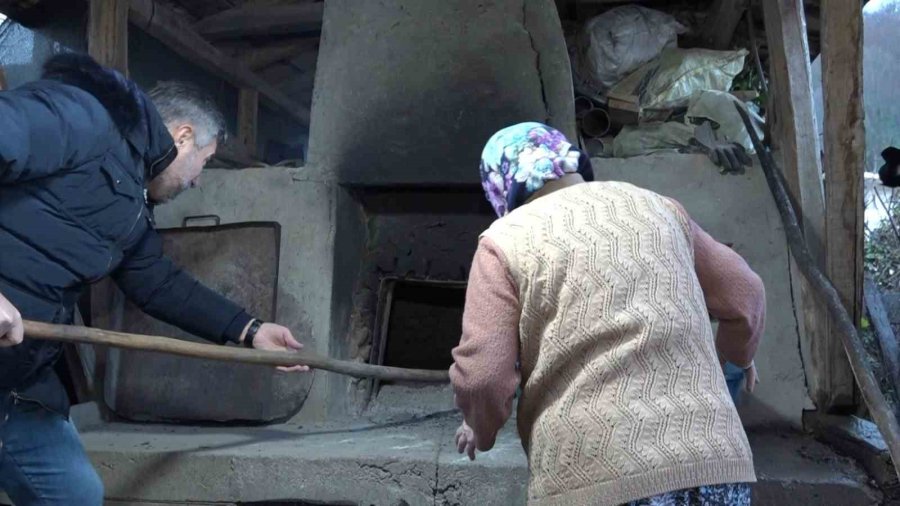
point(305, 61)
point(795, 129)
point(233, 154)
point(724, 17)
point(887, 341)
point(108, 33)
point(263, 20)
point(845, 142)
point(172, 30)
point(290, 79)
point(248, 103)
point(260, 57)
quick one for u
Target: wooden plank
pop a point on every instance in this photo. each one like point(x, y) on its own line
point(887, 341)
point(108, 33)
point(248, 106)
point(267, 20)
point(828, 371)
point(844, 142)
point(724, 17)
point(260, 57)
point(233, 154)
point(172, 30)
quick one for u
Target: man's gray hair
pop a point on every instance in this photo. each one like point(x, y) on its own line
point(178, 101)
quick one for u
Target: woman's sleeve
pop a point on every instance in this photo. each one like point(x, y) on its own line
point(735, 295)
point(484, 373)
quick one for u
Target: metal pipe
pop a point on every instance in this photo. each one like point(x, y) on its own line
point(583, 105)
point(595, 123)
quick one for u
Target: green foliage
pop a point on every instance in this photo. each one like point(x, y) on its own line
point(749, 79)
point(882, 252)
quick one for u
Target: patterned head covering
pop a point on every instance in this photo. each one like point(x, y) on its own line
point(518, 160)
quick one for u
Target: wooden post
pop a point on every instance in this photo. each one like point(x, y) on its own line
point(828, 371)
point(724, 17)
point(844, 142)
point(248, 110)
point(108, 33)
point(2, 79)
point(257, 58)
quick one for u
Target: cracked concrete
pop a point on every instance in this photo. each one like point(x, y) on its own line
point(349, 461)
point(369, 462)
point(537, 62)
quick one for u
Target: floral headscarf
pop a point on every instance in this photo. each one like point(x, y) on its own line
point(518, 160)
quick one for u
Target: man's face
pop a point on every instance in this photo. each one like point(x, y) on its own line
point(184, 171)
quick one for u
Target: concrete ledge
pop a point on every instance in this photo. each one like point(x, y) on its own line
point(794, 468)
point(395, 462)
point(339, 463)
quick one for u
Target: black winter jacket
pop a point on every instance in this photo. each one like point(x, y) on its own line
point(76, 149)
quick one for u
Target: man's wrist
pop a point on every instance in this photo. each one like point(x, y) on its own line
point(243, 336)
point(250, 332)
point(237, 329)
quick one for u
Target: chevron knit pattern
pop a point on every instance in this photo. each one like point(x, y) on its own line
point(623, 396)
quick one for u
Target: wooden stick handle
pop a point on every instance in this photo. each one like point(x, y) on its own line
point(86, 335)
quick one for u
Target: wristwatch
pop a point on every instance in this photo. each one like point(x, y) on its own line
point(251, 332)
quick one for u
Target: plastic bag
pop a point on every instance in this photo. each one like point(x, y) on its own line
point(652, 138)
point(718, 107)
point(612, 45)
point(673, 79)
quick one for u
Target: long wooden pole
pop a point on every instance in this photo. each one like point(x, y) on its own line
point(823, 288)
point(75, 334)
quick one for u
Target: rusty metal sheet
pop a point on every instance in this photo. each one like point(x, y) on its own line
point(241, 262)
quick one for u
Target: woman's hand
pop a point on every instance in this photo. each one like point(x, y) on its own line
point(465, 440)
point(750, 377)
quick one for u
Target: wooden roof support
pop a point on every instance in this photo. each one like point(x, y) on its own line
point(260, 57)
point(172, 30)
point(844, 143)
point(828, 372)
point(724, 17)
point(108, 33)
point(263, 20)
point(248, 108)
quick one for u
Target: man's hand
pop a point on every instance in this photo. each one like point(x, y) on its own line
point(465, 440)
point(11, 330)
point(271, 337)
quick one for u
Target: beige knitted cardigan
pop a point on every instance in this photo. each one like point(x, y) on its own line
point(623, 395)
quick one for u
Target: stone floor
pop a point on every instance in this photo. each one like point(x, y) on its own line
point(389, 458)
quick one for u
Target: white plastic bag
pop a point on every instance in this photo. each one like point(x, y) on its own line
point(651, 138)
point(612, 45)
point(679, 73)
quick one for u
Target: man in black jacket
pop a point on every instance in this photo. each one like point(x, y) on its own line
point(84, 157)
